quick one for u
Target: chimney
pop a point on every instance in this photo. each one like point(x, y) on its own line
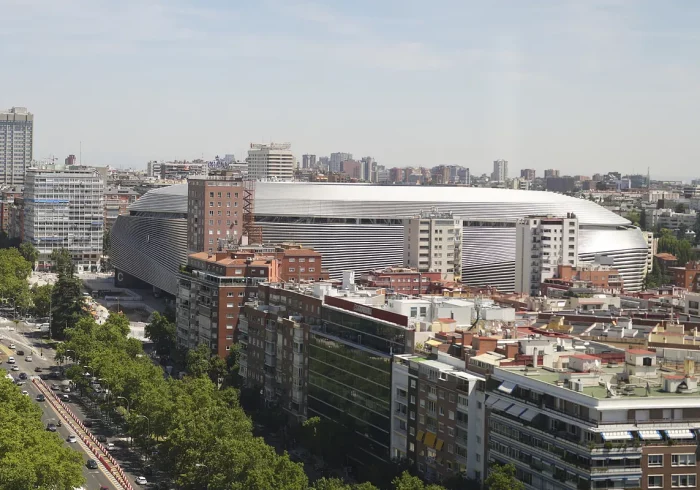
point(467, 338)
point(511, 351)
point(535, 354)
point(689, 367)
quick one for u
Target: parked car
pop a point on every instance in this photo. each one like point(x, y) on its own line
point(55, 387)
point(91, 464)
point(40, 398)
point(72, 439)
point(15, 368)
point(65, 398)
point(23, 376)
point(37, 369)
point(25, 392)
point(13, 346)
point(110, 446)
point(51, 427)
point(10, 360)
point(141, 480)
point(102, 439)
point(28, 359)
point(87, 423)
point(65, 389)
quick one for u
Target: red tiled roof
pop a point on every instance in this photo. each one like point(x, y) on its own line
point(641, 352)
point(447, 320)
point(586, 357)
point(665, 256)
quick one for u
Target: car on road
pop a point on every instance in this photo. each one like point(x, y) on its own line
point(91, 464)
point(15, 368)
point(141, 480)
point(10, 360)
point(28, 359)
point(40, 398)
point(13, 346)
point(65, 398)
point(19, 382)
point(101, 438)
point(20, 352)
point(65, 389)
point(25, 392)
point(51, 427)
point(72, 439)
point(23, 376)
point(55, 387)
point(111, 446)
point(87, 423)
point(37, 369)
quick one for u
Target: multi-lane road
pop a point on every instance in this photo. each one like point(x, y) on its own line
point(95, 478)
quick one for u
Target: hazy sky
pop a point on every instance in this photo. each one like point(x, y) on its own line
point(582, 86)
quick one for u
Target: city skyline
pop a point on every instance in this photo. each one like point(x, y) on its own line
point(566, 86)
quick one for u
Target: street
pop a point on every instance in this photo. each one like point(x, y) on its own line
point(23, 339)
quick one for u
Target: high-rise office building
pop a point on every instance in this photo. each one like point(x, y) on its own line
point(527, 174)
point(16, 144)
point(215, 211)
point(500, 171)
point(433, 243)
point(337, 159)
point(542, 244)
point(551, 172)
point(308, 161)
point(271, 162)
point(64, 209)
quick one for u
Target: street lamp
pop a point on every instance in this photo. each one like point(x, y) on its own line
point(202, 465)
point(128, 403)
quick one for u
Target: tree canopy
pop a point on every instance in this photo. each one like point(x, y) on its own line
point(502, 477)
point(30, 456)
point(161, 332)
point(68, 302)
point(29, 252)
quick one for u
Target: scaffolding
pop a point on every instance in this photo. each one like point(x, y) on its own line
point(251, 231)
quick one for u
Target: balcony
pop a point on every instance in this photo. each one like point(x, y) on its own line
point(270, 360)
point(243, 325)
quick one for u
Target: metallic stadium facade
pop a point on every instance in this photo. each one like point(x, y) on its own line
point(358, 227)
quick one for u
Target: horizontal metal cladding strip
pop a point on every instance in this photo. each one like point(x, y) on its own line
point(150, 249)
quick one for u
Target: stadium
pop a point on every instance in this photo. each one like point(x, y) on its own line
point(358, 227)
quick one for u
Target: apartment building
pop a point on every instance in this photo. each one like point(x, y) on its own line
point(212, 290)
point(551, 172)
point(438, 416)
point(176, 170)
point(528, 174)
point(500, 171)
point(594, 420)
point(433, 243)
point(542, 244)
point(600, 277)
point(401, 280)
point(652, 245)
point(215, 211)
point(16, 144)
point(116, 203)
point(271, 162)
point(65, 209)
point(668, 218)
point(7, 203)
point(692, 304)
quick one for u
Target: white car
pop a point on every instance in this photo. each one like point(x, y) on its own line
point(141, 480)
point(72, 439)
point(25, 392)
point(13, 346)
point(15, 368)
point(28, 359)
point(10, 360)
point(110, 446)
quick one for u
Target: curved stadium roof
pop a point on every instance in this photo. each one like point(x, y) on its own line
point(171, 199)
point(372, 201)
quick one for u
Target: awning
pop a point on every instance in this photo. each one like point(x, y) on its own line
point(649, 435)
point(501, 405)
point(516, 410)
point(507, 387)
point(420, 435)
point(616, 436)
point(439, 444)
point(433, 343)
point(680, 434)
point(429, 439)
point(491, 400)
point(615, 458)
point(528, 415)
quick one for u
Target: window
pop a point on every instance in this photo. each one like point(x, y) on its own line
point(413, 415)
point(422, 403)
point(229, 294)
point(291, 269)
point(302, 259)
point(413, 383)
point(229, 327)
point(211, 204)
point(413, 400)
point(451, 415)
point(312, 259)
point(450, 431)
point(292, 260)
point(411, 447)
point(450, 448)
point(311, 269)
point(683, 481)
point(655, 481)
point(656, 460)
point(683, 459)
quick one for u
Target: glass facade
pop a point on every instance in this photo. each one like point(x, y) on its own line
point(350, 378)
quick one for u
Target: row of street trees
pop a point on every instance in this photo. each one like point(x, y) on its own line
point(202, 433)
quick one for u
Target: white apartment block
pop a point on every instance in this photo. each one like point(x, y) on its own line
point(16, 144)
point(542, 244)
point(500, 171)
point(652, 244)
point(271, 162)
point(433, 243)
point(64, 209)
point(668, 218)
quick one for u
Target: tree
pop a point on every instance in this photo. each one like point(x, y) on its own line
point(14, 271)
point(30, 456)
point(406, 481)
point(502, 477)
point(41, 299)
point(198, 361)
point(29, 252)
point(634, 217)
point(681, 231)
point(643, 219)
point(162, 333)
point(68, 304)
point(62, 262)
point(106, 242)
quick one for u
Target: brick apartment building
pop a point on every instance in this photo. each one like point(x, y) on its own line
point(215, 211)
point(214, 288)
point(685, 277)
point(116, 203)
point(402, 280)
point(7, 204)
point(596, 276)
